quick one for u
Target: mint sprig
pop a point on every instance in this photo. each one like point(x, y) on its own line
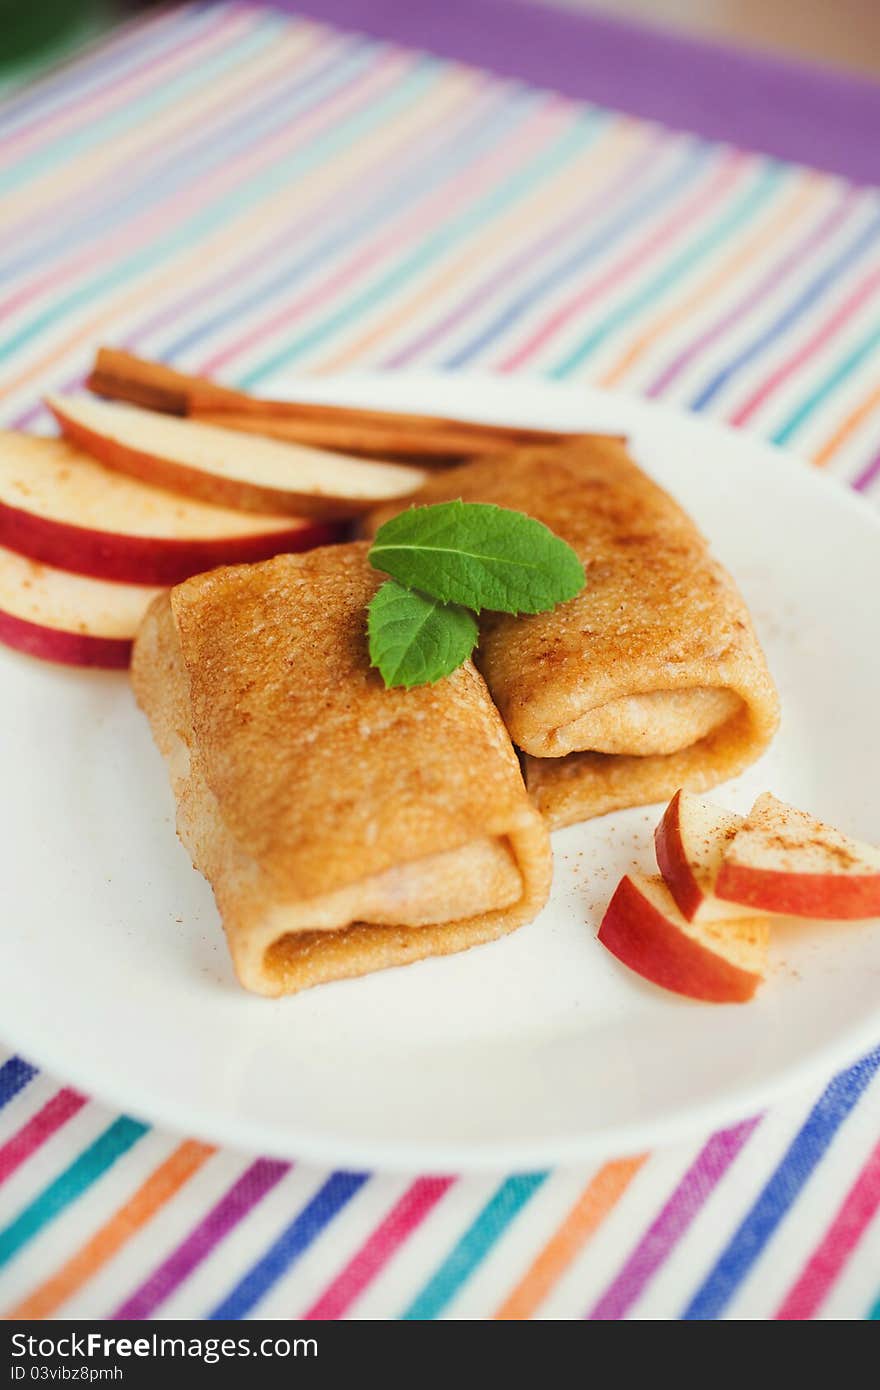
point(478, 555)
point(416, 639)
point(447, 563)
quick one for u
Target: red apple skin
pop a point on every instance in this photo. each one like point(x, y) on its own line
point(845, 897)
point(643, 939)
point(672, 862)
point(144, 559)
point(68, 648)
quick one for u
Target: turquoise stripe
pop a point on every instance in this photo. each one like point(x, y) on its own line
point(474, 1246)
point(586, 132)
point(159, 179)
point(794, 309)
point(335, 139)
point(116, 1140)
point(402, 180)
point(68, 86)
point(689, 258)
point(625, 206)
point(835, 378)
point(135, 113)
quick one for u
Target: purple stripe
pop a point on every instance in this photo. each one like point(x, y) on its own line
point(864, 480)
point(757, 294)
point(87, 64)
point(666, 1231)
point(250, 1189)
point(164, 172)
point(795, 111)
point(439, 145)
point(434, 145)
point(27, 417)
point(596, 204)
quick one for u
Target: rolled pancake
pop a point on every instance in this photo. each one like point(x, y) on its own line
point(652, 678)
point(343, 827)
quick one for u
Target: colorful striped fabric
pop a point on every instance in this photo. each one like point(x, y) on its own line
point(243, 192)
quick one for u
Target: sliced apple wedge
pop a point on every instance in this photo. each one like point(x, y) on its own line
point(228, 468)
point(690, 842)
point(66, 617)
point(722, 962)
point(784, 860)
point(58, 505)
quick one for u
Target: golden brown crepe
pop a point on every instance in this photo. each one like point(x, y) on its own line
point(652, 678)
point(343, 827)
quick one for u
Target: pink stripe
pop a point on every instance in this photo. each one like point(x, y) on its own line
point(620, 185)
point(865, 479)
point(731, 171)
point(221, 181)
point(73, 76)
point(446, 200)
point(832, 325)
point(828, 225)
point(154, 69)
point(259, 254)
point(391, 167)
point(374, 1254)
point(824, 1266)
point(134, 168)
point(38, 1129)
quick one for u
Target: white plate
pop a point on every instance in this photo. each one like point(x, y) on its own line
point(536, 1050)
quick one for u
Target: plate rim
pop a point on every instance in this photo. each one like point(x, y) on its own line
point(679, 1126)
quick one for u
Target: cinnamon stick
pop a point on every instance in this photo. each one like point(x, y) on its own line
point(400, 444)
point(361, 417)
point(384, 434)
point(121, 376)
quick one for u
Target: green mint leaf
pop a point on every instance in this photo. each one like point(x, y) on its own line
point(414, 639)
point(478, 555)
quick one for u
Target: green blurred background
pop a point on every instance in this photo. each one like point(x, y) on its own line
point(35, 33)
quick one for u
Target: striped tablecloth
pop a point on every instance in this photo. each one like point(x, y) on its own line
point(241, 190)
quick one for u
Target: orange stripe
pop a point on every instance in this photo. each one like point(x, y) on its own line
point(805, 194)
point(201, 261)
point(563, 190)
point(595, 1202)
point(159, 133)
point(158, 1189)
point(847, 427)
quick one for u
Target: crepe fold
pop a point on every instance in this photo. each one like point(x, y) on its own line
point(344, 827)
point(652, 678)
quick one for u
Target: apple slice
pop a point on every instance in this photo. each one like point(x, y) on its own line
point(690, 842)
point(784, 860)
point(59, 506)
point(66, 617)
point(228, 468)
point(719, 962)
